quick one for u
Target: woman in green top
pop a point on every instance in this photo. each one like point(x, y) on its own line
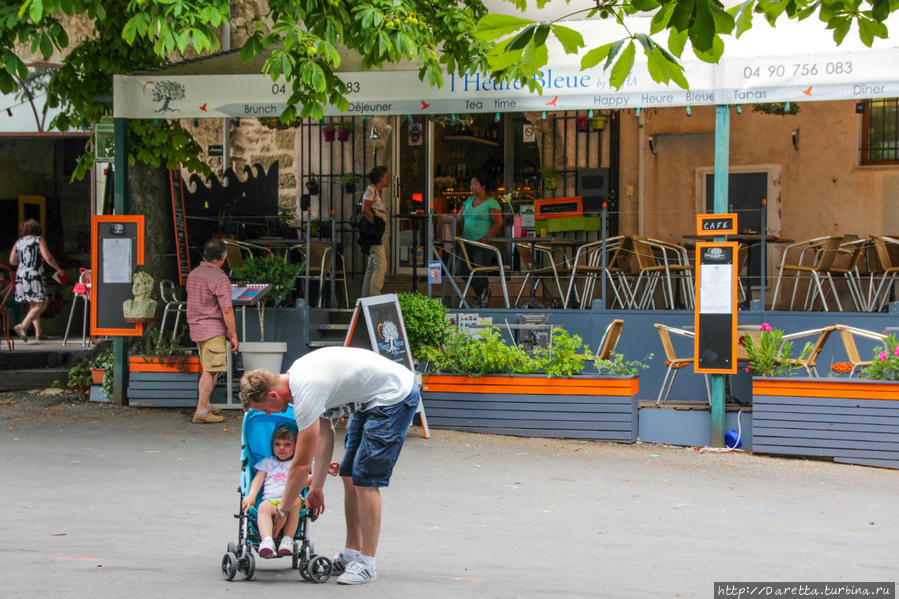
point(480, 218)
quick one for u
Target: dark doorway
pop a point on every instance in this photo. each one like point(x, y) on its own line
point(744, 196)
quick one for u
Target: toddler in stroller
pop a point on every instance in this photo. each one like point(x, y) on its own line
point(267, 449)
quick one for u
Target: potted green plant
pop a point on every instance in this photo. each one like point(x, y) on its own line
point(480, 383)
point(312, 185)
point(328, 131)
point(344, 130)
point(349, 181)
point(281, 276)
point(550, 177)
point(101, 371)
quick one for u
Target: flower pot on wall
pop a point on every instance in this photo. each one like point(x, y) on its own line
point(267, 355)
point(328, 134)
point(343, 135)
point(598, 122)
point(313, 187)
point(97, 375)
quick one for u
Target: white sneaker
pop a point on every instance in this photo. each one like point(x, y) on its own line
point(339, 564)
point(358, 573)
point(286, 546)
point(267, 548)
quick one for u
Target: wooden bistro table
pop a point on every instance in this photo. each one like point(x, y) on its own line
point(549, 242)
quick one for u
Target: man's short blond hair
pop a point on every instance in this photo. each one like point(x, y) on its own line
point(255, 385)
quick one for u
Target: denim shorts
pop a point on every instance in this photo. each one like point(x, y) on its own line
point(374, 439)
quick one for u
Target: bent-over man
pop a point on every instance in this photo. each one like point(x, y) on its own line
point(325, 384)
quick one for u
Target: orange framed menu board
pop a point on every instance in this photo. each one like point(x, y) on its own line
point(716, 308)
point(117, 249)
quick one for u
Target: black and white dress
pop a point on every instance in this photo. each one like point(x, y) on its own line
point(30, 273)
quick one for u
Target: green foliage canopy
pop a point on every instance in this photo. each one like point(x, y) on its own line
point(517, 48)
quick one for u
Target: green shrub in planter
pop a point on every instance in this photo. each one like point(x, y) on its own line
point(275, 271)
point(425, 320)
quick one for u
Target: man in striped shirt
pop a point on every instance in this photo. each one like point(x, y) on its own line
point(210, 318)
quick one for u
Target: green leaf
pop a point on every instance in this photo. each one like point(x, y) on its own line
point(47, 46)
point(540, 34)
point(493, 26)
point(129, 32)
point(714, 54)
point(682, 16)
point(661, 19)
point(724, 22)
point(499, 59)
point(841, 29)
point(702, 31)
point(592, 57)
point(743, 17)
point(521, 40)
point(613, 52)
point(866, 32)
point(571, 40)
point(677, 40)
point(533, 58)
point(881, 9)
point(623, 66)
point(645, 5)
point(36, 10)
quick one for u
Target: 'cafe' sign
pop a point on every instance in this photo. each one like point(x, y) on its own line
point(716, 224)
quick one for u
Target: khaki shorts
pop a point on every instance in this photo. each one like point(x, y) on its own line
point(213, 354)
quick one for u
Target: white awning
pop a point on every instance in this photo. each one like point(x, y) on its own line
point(797, 61)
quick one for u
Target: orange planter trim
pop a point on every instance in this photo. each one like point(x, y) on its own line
point(523, 385)
point(825, 388)
point(139, 364)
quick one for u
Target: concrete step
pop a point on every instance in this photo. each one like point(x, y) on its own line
point(31, 378)
point(326, 343)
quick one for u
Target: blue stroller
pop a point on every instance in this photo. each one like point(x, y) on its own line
point(256, 444)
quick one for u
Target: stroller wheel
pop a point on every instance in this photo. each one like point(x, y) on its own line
point(247, 566)
point(229, 566)
point(319, 569)
point(304, 570)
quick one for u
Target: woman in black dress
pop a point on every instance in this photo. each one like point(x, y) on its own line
point(29, 254)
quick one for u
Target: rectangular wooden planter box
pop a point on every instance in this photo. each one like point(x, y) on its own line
point(581, 407)
point(854, 421)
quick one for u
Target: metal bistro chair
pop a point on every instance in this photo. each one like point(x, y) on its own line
point(886, 270)
point(320, 267)
point(810, 361)
point(587, 263)
point(169, 294)
point(674, 362)
point(847, 335)
point(238, 251)
point(81, 291)
point(473, 269)
point(825, 251)
point(527, 261)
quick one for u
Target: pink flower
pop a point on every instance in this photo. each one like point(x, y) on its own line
point(747, 369)
point(896, 351)
point(765, 327)
point(883, 356)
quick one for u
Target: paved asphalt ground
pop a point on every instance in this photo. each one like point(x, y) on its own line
point(105, 501)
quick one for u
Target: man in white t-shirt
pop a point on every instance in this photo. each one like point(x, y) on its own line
point(325, 384)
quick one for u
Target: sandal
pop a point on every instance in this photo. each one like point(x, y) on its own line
point(20, 332)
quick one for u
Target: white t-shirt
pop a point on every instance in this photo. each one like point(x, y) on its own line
point(331, 377)
point(275, 477)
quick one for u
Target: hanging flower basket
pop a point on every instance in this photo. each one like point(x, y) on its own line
point(598, 122)
point(328, 132)
point(582, 123)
